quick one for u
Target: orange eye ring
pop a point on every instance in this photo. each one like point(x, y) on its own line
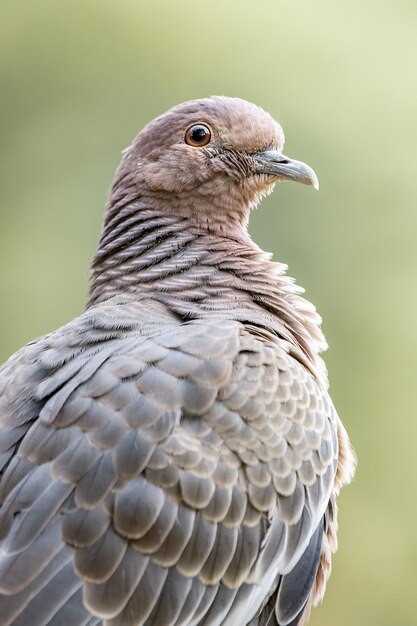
point(198, 135)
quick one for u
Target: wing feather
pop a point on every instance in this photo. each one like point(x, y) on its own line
point(185, 469)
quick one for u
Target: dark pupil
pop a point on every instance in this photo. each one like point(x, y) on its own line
point(198, 134)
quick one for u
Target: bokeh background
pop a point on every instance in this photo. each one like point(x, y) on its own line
point(79, 79)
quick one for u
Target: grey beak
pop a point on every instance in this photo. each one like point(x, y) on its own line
point(276, 164)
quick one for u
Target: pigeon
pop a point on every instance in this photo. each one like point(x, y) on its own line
point(172, 457)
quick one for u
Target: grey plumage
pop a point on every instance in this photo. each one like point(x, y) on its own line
point(171, 457)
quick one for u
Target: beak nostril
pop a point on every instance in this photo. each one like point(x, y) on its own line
point(274, 163)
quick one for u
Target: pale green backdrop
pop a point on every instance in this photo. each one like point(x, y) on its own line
point(80, 78)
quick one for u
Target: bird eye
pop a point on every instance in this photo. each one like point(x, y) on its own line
point(198, 135)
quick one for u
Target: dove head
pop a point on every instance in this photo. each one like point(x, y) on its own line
point(208, 160)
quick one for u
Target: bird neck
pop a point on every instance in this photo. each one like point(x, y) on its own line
point(144, 253)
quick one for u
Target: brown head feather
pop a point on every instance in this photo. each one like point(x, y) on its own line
point(176, 224)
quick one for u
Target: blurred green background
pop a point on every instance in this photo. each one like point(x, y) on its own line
point(79, 79)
